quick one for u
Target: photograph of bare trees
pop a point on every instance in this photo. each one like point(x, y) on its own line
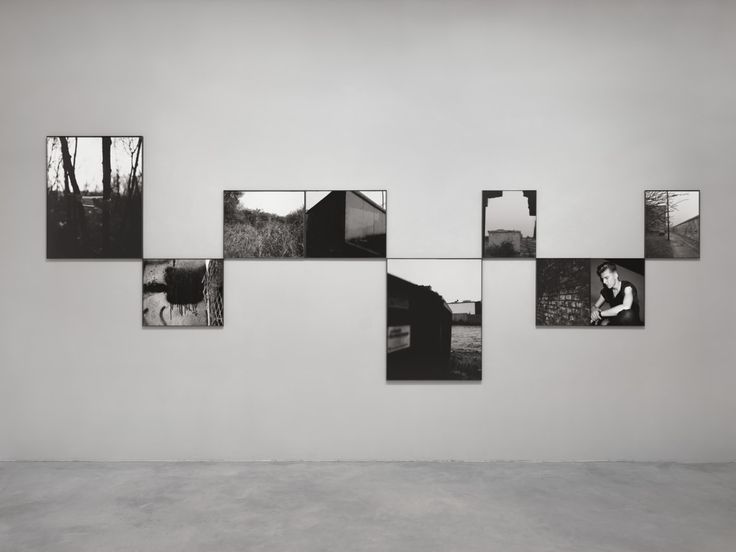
point(94, 197)
point(183, 292)
point(266, 224)
point(672, 224)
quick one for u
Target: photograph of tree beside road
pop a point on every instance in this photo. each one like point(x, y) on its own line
point(94, 197)
point(672, 224)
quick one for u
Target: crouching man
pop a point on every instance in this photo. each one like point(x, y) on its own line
point(620, 296)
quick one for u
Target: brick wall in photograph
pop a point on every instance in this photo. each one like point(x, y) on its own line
point(563, 292)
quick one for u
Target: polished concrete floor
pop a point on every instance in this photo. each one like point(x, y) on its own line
point(354, 507)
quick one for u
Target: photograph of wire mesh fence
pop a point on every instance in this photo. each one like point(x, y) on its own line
point(183, 292)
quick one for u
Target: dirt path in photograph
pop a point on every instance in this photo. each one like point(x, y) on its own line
point(681, 247)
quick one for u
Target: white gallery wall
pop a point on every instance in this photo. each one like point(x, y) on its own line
point(590, 103)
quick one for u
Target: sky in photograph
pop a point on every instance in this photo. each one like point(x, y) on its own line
point(687, 207)
point(88, 167)
point(314, 197)
point(276, 203)
point(509, 212)
point(454, 279)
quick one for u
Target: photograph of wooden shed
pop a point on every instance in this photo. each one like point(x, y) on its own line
point(419, 332)
point(346, 223)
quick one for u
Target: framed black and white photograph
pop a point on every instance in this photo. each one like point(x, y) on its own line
point(94, 197)
point(563, 292)
point(263, 224)
point(346, 224)
point(672, 224)
point(590, 292)
point(509, 224)
point(183, 292)
point(434, 319)
point(616, 292)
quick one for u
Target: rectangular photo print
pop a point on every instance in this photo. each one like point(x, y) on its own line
point(509, 224)
point(672, 224)
point(563, 292)
point(94, 197)
point(263, 224)
point(617, 292)
point(346, 224)
point(183, 292)
point(434, 319)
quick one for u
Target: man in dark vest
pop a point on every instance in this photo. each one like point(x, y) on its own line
point(621, 297)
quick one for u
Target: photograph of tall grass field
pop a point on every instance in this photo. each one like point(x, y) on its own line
point(266, 224)
point(94, 197)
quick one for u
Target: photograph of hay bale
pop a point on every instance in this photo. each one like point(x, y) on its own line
point(563, 292)
point(617, 292)
point(94, 197)
point(509, 224)
point(346, 224)
point(672, 224)
point(434, 319)
point(183, 292)
point(263, 224)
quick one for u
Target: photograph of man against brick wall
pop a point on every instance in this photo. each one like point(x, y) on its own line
point(672, 224)
point(617, 292)
point(509, 224)
point(563, 292)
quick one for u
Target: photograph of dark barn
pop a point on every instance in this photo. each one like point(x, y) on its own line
point(672, 224)
point(345, 223)
point(427, 337)
point(509, 224)
point(94, 197)
point(183, 292)
point(263, 224)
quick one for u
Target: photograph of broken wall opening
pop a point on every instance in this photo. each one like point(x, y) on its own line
point(183, 292)
point(434, 319)
point(617, 292)
point(263, 224)
point(510, 224)
point(346, 224)
point(94, 197)
point(672, 224)
point(563, 292)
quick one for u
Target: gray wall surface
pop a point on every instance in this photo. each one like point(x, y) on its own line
point(590, 103)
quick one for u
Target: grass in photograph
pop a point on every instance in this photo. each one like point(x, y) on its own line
point(255, 233)
point(465, 365)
